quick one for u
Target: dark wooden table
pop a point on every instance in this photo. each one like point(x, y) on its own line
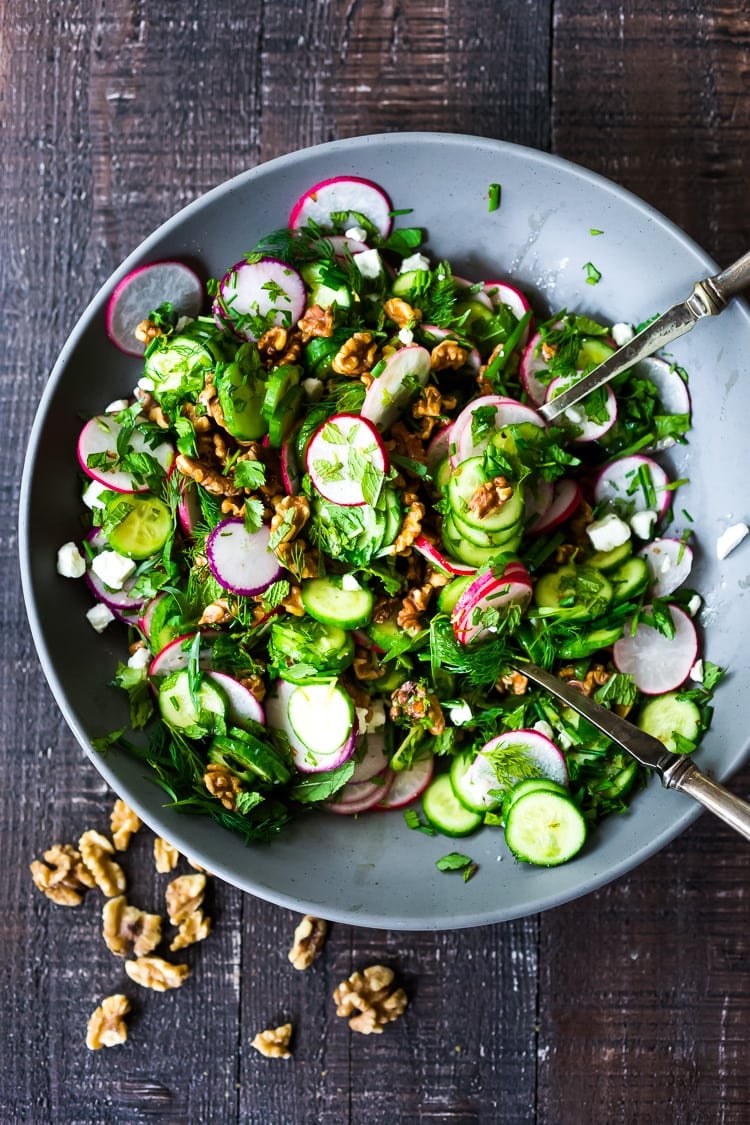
point(631, 1005)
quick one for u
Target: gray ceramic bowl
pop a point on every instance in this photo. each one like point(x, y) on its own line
point(374, 871)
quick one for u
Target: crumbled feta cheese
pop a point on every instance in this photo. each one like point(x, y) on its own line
point(92, 493)
point(406, 336)
point(116, 406)
point(696, 672)
point(182, 324)
point(730, 539)
point(414, 262)
point(70, 561)
point(357, 234)
point(460, 713)
point(349, 582)
point(113, 569)
point(574, 415)
point(544, 728)
point(313, 389)
point(608, 532)
point(141, 658)
point(622, 333)
point(563, 740)
point(694, 605)
point(663, 443)
point(99, 617)
point(665, 565)
point(378, 717)
point(361, 718)
point(642, 523)
point(369, 263)
point(145, 384)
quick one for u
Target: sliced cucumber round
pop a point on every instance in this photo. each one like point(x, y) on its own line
point(326, 600)
point(629, 580)
point(193, 712)
point(586, 644)
point(670, 714)
point(545, 828)
point(574, 593)
point(531, 785)
point(463, 484)
point(144, 530)
point(444, 810)
point(321, 716)
point(450, 594)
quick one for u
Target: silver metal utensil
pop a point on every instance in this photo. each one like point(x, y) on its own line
point(709, 298)
point(676, 771)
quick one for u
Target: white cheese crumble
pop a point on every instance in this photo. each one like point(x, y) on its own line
point(70, 561)
point(622, 333)
point(357, 234)
point(460, 713)
point(378, 717)
point(116, 406)
point(141, 658)
point(544, 728)
point(642, 523)
point(145, 384)
point(406, 336)
point(696, 672)
point(313, 388)
point(92, 494)
point(730, 539)
point(99, 617)
point(182, 324)
point(414, 262)
point(694, 605)
point(369, 263)
point(113, 569)
point(349, 582)
point(608, 532)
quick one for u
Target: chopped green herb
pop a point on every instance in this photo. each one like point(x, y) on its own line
point(593, 276)
point(493, 197)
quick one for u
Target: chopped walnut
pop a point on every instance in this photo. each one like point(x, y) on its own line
point(431, 406)
point(448, 354)
point(96, 852)
point(292, 603)
point(364, 667)
point(514, 683)
point(147, 331)
point(254, 683)
point(490, 496)
point(211, 479)
point(356, 355)
point(566, 552)
point(548, 351)
point(184, 895)
point(316, 322)
point(201, 423)
point(415, 603)
point(196, 927)
point(221, 782)
point(401, 312)
point(309, 939)
point(411, 529)
point(413, 701)
point(578, 523)
point(384, 609)
point(128, 930)
point(274, 1042)
point(156, 973)
point(217, 613)
point(154, 413)
point(165, 855)
point(278, 346)
point(63, 878)
point(107, 1027)
point(595, 678)
point(123, 823)
point(291, 513)
point(406, 443)
point(372, 995)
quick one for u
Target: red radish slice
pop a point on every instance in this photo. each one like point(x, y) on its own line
point(394, 387)
point(277, 718)
point(432, 335)
point(360, 796)
point(532, 363)
point(242, 706)
point(500, 293)
point(657, 663)
point(512, 587)
point(335, 455)
point(176, 655)
point(343, 193)
point(439, 559)
point(241, 560)
point(290, 473)
point(146, 618)
point(439, 447)
point(480, 296)
point(142, 291)
point(567, 497)
point(541, 751)
point(99, 435)
point(373, 761)
point(618, 485)
point(189, 510)
point(121, 602)
point(508, 412)
point(342, 245)
point(669, 563)
point(409, 784)
point(537, 500)
point(587, 429)
point(670, 386)
point(254, 296)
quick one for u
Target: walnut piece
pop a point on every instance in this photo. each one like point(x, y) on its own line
point(196, 927)
point(411, 529)
point(316, 322)
point(291, 513)
point(156, 973)
point(106, 1027)
point(147, 331)
point(514, 683)
point(209, 478)
point(414, 702)
point(448, 354)
point(356, 355)
point(413, 606)
point(278, 346)
point(63, 878)
point(165, 855)
point(128, 930)
point(96, 852)
point(372, 995)
point(184, 895)
point(123, 823)
point(221, 782)
point(309, 939)
point(401, 312)
point(490, 496)
point(431, 407)
point(274, 1042)
point(218, 612)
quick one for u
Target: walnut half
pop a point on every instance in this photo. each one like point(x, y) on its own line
point(128, 930)
point(274, 1042)
point(156, 973)
point(309, 939)
point(184, 895)
point(372, 995)
point(63, 877)
point(106, 1027)
point(96, 852)
point(123, 823)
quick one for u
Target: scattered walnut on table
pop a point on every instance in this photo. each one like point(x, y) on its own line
point(107, 1027)
point(63, 877)
point(165, 855)
point(96, 852)
point(196, 927)
point(123, 823)
point(184, 895)
point(156, 973)
point(274, 1042)
point(372, 995)
point(128, 930)
point(309, 939)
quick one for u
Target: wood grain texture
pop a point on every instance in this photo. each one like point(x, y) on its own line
point(628, 1006)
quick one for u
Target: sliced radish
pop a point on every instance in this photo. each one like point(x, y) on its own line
point(176, 655)
point(337, 458)
point(669, 563)
point(512, 587)
point(532, 363)
point(359, 796)
point(342, 245)
point(99, 435)
point(409, 784)
point(537, 500)
point(142, 291)
point(241, 560)
point(374, 759)
point(500, 293)
point(317, 719)
point(433, 334)
point(242, 706)
point(146, 618)
point(587, 429)
point(189, 510)
point(567, 497)
point(439, 559)
point(121, 602)
point(439, 447)
point(349, 194)
point(670, 386)
point(657, 663)
point(394, 387)
point(541, 751)
point(508, 412)
point(618, 485)
point(290, 473)
point(479, 296)
point(254, 296)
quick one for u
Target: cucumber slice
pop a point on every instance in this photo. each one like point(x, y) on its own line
point(610, 560)
point(385, 633)
point(574, 593)
point(406, 282)
point(442, 474)
point(195, 714)
point(592, 352)
point(321, 293)
point(321, 716)
point(629, 580)
point(545, 828)
point(472, 789)
point(319, 355)
point(464, 482)
point(670, 714)
point(297, 645)
point(241, 400)
point(280, 382)
point(283, 419)
point(444, 810)
point(263, 760)
point(394, 516)
point(327, 601)
point(479, 538)
point(144, 530)
point(460, 548)
point(531, 785)
point(450, 594)
point(588, 643)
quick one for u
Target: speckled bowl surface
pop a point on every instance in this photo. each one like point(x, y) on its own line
point(373, 870)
